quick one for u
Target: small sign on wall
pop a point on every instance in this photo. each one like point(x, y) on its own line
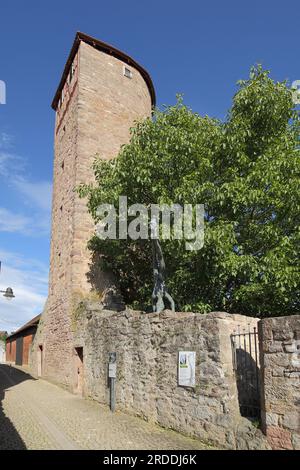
point(112, 371)
point(112, 365)
point(186, 368)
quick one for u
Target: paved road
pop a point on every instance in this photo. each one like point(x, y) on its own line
point(35, 414)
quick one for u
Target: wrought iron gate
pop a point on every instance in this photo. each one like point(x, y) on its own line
point(245, 355)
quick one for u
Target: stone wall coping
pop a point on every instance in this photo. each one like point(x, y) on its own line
point(281, 319)
point(96, 307)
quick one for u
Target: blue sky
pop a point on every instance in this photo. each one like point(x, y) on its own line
point(198, 48)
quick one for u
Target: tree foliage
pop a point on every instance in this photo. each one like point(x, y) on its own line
point(246, 172)
point(3, 336)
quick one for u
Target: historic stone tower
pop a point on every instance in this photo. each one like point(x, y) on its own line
point(101, 93)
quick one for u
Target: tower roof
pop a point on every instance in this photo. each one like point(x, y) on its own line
point(104, 47)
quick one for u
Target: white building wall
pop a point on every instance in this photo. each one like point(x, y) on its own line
point(2, 351)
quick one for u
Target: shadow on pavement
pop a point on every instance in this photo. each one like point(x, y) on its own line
point(9, 437)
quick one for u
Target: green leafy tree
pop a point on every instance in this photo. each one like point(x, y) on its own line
point(3, 336)
point(246, 172)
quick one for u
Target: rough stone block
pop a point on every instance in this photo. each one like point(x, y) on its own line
point(279, 438)
point(291, 420)
point(296, 441)
point(271, 419)
point(283, 334)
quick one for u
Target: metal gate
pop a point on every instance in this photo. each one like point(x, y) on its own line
point(245, 357)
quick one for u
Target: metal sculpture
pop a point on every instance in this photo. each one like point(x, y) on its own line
point(160, 296)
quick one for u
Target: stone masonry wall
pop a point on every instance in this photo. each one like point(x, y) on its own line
point(280, 363)
point(147, 348)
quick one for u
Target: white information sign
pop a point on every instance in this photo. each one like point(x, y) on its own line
point(112, 370)
point(186, 368)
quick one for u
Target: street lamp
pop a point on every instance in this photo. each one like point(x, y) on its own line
point(8, 293)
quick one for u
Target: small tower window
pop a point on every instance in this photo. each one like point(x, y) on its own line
point(72, 70)
point(127, 72)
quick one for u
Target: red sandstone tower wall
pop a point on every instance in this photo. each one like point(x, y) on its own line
point(95, 105)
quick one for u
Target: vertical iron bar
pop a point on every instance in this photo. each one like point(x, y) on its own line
point(250, 347)
point(256, 369)
point(239, 365)
point(252, 366)
point(233, 351)
point(245, 387)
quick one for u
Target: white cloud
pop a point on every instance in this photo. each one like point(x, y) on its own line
point(35, 194)
point(6, 140)
point(27, 277)
point(35, 226)
point(11, 165)
point(11, 222)
point(29, 280)
point(38, 194)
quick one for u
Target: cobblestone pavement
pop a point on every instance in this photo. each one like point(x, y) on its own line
point(35, 414)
